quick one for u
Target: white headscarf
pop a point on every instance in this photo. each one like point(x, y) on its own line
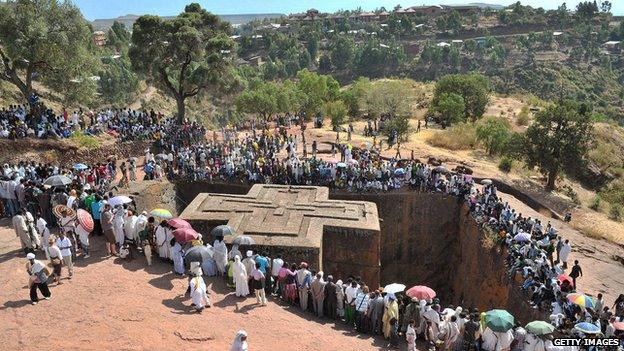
point(239, 344)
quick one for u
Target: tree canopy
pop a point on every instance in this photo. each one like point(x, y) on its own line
point(558, 138)
point(49, 40)
point(184, 56)
point(473, 88)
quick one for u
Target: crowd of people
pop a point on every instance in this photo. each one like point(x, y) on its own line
point(536, 253)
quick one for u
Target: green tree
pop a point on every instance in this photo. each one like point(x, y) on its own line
point(261, 100)
point(493, 132)
point(325, 64)
point(451, 109)
point(587, 9)
point(312, 45)
point(184, 56)
point(118, 37)
point(473, 88)
point(316, 89)
point(342, 52)
point(337, 112)
point(398, 126)
point(558, 138)
point(49, 40)
point(118, 83)
point(355, 95)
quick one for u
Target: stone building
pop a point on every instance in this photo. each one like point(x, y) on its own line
point(339, 237)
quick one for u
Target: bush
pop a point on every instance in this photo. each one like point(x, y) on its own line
point(85, 141)
point(505, 164)
point(595, 204)
point(616, 213)
point(523, 117)
point(461, 136)
point(569, 192)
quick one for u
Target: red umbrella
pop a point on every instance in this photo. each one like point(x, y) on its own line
point(185, 234)
point(178, 223)
point(562, 278)
point(421, 292)
point(85, 220)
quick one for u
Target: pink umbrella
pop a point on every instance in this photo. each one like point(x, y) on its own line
point(421, 292)
point(85, 220)
point(179, 223)
point(562, 278)
point(185, 234)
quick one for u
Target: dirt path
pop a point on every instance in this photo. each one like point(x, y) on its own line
point(115, 304)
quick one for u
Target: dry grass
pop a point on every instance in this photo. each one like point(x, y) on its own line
point(461, 136)
point(591, 231)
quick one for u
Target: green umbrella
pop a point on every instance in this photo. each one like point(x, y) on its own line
point(540, 327)
point(499, 320)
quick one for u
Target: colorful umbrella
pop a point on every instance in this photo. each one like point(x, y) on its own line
point(185, 234)
point(540, 327)
point(587, 328)
point(421, 292)
point(618, 326)
point(499, 320)
point(162, 213)
point(80, 166)
point(399, 172)
point(179, 223)
point(562, 278)
point(85, 220)
point(58, 209)
point(393, 288)
point(222, 230)
point(581, 300)
point(522, 237)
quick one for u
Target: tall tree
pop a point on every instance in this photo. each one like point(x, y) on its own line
point(558, 138)
point(316, 89)
point(473, 88)
point(494, 133)
point(185, 56)
point(48, 39)
point(342, 52)
point(337, 112)
point(118, 37)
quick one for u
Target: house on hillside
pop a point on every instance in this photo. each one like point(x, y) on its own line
point(255, 61)
point(434, 10)
point(613, 46)
point(99, 38)
point(462, 9)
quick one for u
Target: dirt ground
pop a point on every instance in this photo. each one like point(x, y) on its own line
point(116, 304)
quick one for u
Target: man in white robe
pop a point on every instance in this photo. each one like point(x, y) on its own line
point(44, 232)
point(199, 293)
point(161, 242)
point(21, 231)
point(241, 277)
point(220, 255)
point(130, 227)
point(32, 229)
point(118, 225)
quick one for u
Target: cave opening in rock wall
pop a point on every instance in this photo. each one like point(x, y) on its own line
point(426, 239)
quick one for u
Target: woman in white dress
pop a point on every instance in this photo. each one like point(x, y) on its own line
point(240, 277)
point(118, 224)
point(199, 294)
point(220, 255)
point(161, 241)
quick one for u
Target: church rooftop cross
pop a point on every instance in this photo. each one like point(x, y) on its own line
point(282, 215)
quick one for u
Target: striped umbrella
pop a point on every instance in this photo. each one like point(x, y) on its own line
point(59, 209)
point(85, 220)
point(581, 300)
point(162, 213)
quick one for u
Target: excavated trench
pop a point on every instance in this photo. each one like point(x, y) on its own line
point(426, 239)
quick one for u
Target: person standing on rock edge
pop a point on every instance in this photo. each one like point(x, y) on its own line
point(38, 279)
point(576, 273)
point(564, 253)
point(303, 284)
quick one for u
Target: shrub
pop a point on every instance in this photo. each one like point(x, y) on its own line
point(85, 141)
point(523, 117)
point(595, 204)
point(505, 164)
point(617, 212)
point(461, 136)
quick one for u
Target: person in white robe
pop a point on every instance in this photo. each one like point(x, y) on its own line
point(130, 227)
point(178, 258)
point(496, 341)
point(220, 255)
point(83, 237)
point(21, 231)
point(169, 236)
point(564, 253)
point(118, 225)
point(533, 343)
point(32, 230)
point(240, 341)
point(199, 293)
point(161, 240)
point(44, 233)
point(241, 278)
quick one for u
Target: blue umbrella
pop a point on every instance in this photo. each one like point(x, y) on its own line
point(399, 172)
point(80, 166)
point(587, 328)
point(341, 165)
